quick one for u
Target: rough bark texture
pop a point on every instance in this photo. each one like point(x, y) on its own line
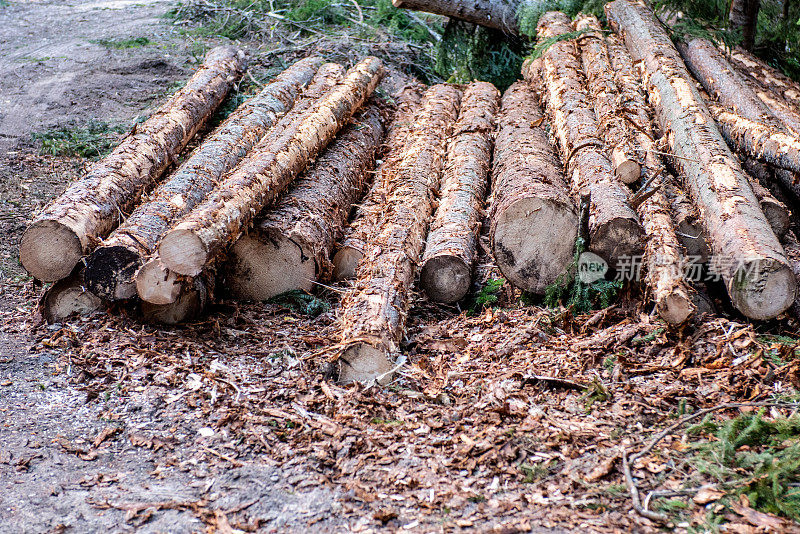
point(534, 223)
point(775, 211)
point(289, 247)
point(90, 208)
point(498, 14)
point(691, 233)
point(792, 247)
point(748, 255)
point(200, 236)
point(769, 76)
point(446, 273)
point(614, 131)
point(663, 255)
point(743, 16)
point(786, 111)
point(68, 297)
point(368, 215)
point(373, 313)
point(111, 267)
point(614, 229)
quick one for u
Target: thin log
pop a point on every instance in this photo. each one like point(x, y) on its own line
point(690, 232)
point(498, 14)
point(200, 236)
point(90, 208)
point(533, 221)
point(748, 255)
point(446, 273)
point(289, 247)
point(111, 267)
point(614, 229)
point(776, 212)
point(373, 313)
point(614, 131)
point(190, 303)
point(792, 247)
point(68, 297)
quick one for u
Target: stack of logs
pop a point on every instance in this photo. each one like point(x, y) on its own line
point(262, 205)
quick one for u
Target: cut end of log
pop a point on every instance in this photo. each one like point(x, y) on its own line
point(189, 305)
point(766, 289)
point(675, 308)
point(617, 238)
point(156, 284)
point(345, 263)
point(361, 362)
point(109, 272)
point(183, 252)
point(50, 250)
point(627, 171)
point(66, 298)
point(446, 278)
point(263, 266)
point(777, 216)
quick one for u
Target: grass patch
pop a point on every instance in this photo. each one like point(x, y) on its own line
point(93, 141)
point(122, 44)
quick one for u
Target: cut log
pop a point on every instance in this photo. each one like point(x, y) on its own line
point(111, 267)
point(747, 253)
point(690, 232)
point(189, 304)
point(776, 212)
point(533, 222)
point(289, 247)
point(792, 247)
point(781, 107)
point(200, 236)
point(613, 129)
point(93, 206)
point(772, 78)
point(663, 254)
point(368, 215)
point(373, 313)
point(68, 297)
point(446, 273)
point(498, 14)
point(614, 229)
point(155, 283)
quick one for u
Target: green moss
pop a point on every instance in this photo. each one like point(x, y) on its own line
point(121, 44)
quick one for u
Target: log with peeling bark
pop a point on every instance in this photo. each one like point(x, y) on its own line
point(533, 222)
point(776, 212)
point(201, 235)
point(690, 232)
point(781, 107)
point(614, 229)
point(792, 247)
point(90, 208)
point(158, 285)
point(754, 267)
point(446, 273)
point(373, 313)
point(498, 14)
point(111, 267)
point(663, 254)
point(68, 297)
point(614, 131)
point(770, 77)
point(289, 247)
point(366, 221)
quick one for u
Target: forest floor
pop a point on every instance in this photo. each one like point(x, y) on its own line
point(512, 418)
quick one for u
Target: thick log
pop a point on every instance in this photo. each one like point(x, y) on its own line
point(446, 273)
point(200, 236)
point(769, 76)
point(158, 285)
point(747, 253)
point(663, 254)
point(68, 297)
point(498, 14)
point(373, 313)
point(111, 267)
point(289, 247)
point(93, 206)
point(780, 106)
point(367, 218)
point(533, 222)
point(614, 229)
point(614, 131)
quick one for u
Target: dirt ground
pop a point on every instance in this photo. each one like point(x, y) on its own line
point(514, 419)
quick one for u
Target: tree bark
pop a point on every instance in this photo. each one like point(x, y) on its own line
point(748, 255)
point(690, 232)
point(93, 206)
point(200, 236)
point(775, 211)
point(614, 229)
point(366, 221)
point(68, 297)
point(770, 77)
point(792, 247)
point(373, 313)
point(743, 17)
point(613, 129)
point(781, 107)
point(533, 222)
point(111, 267)
point(498, 14)
point(446, 273)
point(290, 245)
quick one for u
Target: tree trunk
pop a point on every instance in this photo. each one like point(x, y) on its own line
point(90, 208)
point(446, 273)
point(68, 297)
point(743, 17)
point(189, 304)
point(200, 236)
point(373, 313)
point(614, 131)
point(366, 221)
point(498, 14)
point(781, 107)
point(770, 77)
point(155, 283)
point(614, 229)
point(290, 245)
point(111, 267)
point(533, 222)
point(689, 230)
point(663, 254)
point(747, 253)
